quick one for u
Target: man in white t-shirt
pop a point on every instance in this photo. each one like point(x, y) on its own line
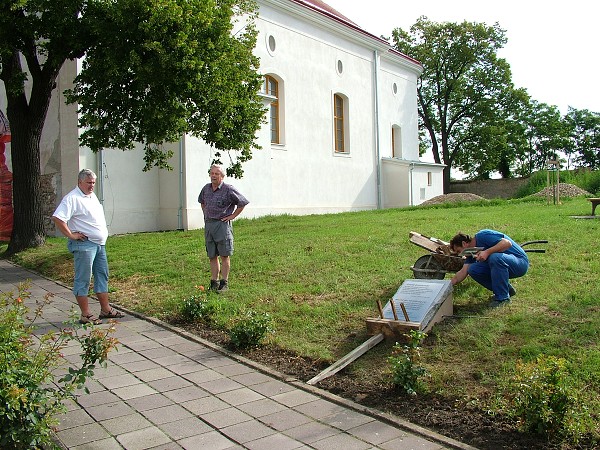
point(80, 218)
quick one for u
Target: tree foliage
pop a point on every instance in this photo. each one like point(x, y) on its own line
point(475, 120)
point(493, 142)
point(546, 133)
point(463, 86)
point(584, 127)
point(151, 71)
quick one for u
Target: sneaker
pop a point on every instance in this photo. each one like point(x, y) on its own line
point(495, 303)
point(214, 285)
point(511, 291)
point(222, 286)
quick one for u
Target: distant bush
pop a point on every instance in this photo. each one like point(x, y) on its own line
point(29, 395)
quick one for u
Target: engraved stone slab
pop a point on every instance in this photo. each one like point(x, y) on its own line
point(421, 297)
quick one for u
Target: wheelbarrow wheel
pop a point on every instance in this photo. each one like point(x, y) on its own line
point(426, 267)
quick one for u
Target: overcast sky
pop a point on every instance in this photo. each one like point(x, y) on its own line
point(552, 46)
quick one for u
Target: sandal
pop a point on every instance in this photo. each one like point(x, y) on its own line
point(89, 319)
point(112, 314)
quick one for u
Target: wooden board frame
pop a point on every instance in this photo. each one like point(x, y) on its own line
point(396, 329)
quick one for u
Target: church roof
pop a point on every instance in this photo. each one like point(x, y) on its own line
point(325, 9)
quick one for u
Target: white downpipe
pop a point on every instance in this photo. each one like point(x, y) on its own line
point(181, 196)
point(410, 186)
point(377, 140)
point(100, 177)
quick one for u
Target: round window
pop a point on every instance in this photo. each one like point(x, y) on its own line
point(340, 66)
point(394, 88)
point(271, 44)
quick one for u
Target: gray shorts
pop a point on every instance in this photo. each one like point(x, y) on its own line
point(218, 238)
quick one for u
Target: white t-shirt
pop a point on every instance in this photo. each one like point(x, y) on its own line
point(85, 214)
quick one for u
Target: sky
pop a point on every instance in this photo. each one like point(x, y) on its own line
point(552, 47)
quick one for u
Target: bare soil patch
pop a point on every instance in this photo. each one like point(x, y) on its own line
point(448, 416)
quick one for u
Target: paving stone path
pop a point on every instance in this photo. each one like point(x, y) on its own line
point(167, 389)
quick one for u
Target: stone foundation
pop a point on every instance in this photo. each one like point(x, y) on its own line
point(48, 194)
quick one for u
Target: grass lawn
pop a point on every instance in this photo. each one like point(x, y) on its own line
point(320, 276)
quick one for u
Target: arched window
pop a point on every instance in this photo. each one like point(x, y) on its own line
point(272, 89)
point(340, 123)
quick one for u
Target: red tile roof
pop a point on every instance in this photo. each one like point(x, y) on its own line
point(325, 9)
point(328, 10)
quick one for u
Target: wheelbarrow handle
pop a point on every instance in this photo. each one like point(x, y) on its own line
point(534, 242)
point(534, 250)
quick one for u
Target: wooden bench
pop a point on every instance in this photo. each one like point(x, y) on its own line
point(595, 202)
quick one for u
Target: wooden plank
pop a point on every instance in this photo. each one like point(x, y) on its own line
point(393, 305)
point(424, 241)
point(393, 330)
point(353, 355)
point(404, 312)
point(380, 308)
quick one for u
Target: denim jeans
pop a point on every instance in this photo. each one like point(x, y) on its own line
point(494, 273)
point(89, 259)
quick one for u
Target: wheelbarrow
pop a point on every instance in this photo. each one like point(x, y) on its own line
point(441, 260)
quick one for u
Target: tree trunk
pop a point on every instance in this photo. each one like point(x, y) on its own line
point(28, 225)
point(446, 179)
point(447, 159)
point(27, 122)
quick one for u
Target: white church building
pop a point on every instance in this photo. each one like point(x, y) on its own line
point(341, 133)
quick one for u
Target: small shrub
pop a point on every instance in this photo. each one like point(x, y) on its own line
point(540, 398)
point(404, 363)
point(250, 330)
point(197, 307)
point(29, 395)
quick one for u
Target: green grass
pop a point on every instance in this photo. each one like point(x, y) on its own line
point(320, 276)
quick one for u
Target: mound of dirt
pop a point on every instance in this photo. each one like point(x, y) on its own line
point(453, 198)
point(564, 190)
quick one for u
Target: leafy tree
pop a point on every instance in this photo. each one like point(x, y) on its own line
point(152, 70)
point(463, 86)
point(492, 143)
point(547, 136)
point(585, 137)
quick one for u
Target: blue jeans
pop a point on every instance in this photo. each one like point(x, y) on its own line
point(89, 259)
point(494, 273)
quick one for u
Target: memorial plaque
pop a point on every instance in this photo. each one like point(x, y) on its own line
point(422, 298)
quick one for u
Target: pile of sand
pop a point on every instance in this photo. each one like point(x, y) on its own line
point(452, 198)
point(564, 190)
